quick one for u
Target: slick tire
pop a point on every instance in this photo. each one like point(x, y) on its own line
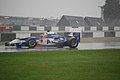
point(73, 43)
point(31, 43)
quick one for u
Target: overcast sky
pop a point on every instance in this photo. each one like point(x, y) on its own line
point(50, 8)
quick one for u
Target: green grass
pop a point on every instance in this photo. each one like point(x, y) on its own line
point(61, 65)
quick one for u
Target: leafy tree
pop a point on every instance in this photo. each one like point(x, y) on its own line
point(111, 10)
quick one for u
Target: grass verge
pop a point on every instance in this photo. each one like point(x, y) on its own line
point(61, 65)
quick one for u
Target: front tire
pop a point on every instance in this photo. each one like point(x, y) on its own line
point(73, 43)
point(31, 43)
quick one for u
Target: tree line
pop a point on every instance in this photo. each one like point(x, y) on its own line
point(111, 10)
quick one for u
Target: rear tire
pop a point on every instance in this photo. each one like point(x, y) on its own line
point(73, 43)
point(31, 43)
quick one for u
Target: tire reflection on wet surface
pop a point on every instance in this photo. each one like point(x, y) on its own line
point(81, 46)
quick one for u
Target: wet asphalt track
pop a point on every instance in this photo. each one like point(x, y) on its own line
point(81, 46)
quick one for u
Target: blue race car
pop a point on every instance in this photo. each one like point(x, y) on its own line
point(46, 39)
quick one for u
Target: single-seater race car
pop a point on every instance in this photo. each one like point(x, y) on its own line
point(45, 39)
